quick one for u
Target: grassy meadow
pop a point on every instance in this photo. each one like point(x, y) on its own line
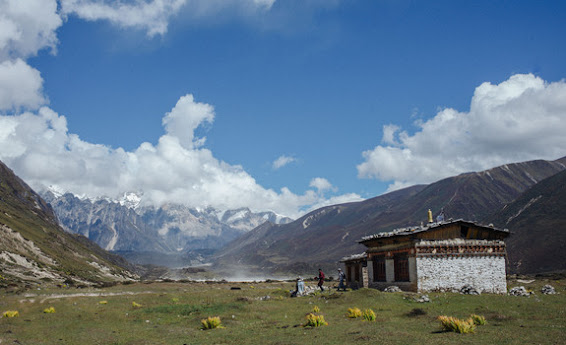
point(171, 313)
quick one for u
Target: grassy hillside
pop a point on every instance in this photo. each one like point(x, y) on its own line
point(34, 249)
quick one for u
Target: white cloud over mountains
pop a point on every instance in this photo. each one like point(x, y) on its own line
point(522, 118)
point(39, 147)
point(321, 184)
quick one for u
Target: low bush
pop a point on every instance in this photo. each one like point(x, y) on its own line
point(50, 310)
point(11, 313)
point(211, 323)
point(354, 312)
point(453, 324)
point(314, 320)
point(368, 315)
point(478, 319)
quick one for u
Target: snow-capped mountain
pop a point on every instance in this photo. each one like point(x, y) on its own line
point(125, 225)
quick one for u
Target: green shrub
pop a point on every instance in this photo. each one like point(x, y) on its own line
point(50, 310)
point(369, 315)
point(453, 324)
point(354, 312)
point(314, 320)
point(211, 322)
point(136, 305)
point(316, 309)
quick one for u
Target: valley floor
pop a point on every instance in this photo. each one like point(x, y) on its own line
point(263, 313)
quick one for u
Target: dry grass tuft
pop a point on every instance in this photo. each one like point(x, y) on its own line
point(453, 324)
point(354, 313)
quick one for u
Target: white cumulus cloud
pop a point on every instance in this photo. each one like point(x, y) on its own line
point(27, 26)
point(321, 184)
point(185, 117)
point(522, 118)
point(20, 86)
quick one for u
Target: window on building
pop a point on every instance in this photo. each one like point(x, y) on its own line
point(464, 231)
point(379, 269)
point(401, 263)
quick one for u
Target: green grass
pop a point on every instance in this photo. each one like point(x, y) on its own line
point(171, 313)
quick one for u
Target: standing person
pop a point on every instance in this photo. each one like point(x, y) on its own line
point(341, 277)
point(320, 279)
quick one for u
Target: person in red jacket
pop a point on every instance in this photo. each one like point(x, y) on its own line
point(320, 279)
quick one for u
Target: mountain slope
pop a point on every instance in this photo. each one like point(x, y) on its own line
point(537, 221)
point(324, 236)
point(34, 249)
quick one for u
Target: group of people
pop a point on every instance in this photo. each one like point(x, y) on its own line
point(300, 286)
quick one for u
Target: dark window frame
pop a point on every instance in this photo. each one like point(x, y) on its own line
point(401, 266)
point(379, 270)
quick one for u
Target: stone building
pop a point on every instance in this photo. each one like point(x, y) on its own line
point(441, 256)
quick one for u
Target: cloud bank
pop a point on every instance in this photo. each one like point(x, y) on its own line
point(178, 169)
point(522, 118)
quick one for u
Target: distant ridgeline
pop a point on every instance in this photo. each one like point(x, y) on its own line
point(172, 235)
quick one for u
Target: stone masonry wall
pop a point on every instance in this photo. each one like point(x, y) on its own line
point(484, 273)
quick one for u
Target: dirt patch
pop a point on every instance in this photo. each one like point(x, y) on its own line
point(31, 297)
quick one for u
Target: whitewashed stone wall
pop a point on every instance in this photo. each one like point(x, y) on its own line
point(484, 273)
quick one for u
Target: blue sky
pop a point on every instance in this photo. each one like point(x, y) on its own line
point(356, 97)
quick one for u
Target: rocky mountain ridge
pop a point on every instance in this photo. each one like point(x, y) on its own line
point(142, 233)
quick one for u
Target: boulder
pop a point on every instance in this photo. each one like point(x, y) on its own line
point(548, 290)
point(392, 288)
point(520, 291)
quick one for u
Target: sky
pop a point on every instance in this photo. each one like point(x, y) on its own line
point(281, 105)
